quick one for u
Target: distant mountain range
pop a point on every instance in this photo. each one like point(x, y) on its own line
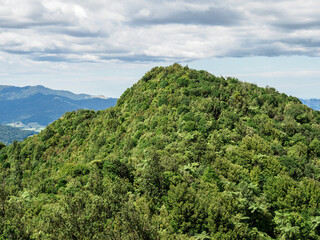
point(34, 107)
point(312, 103)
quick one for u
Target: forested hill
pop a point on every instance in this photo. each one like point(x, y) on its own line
point(182, 155)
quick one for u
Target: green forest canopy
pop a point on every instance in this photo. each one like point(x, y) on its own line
point(183, 155)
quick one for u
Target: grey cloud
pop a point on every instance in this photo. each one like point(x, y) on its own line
point(19, 52)
point(146, 58)
point(76, 32)
point(60, 58)
point(292, 26)
point(272, 49)
point(8, 23)
point(52, 59)
point(212, 16)
point(39, 52)
point(304, 43)
point(123, 58)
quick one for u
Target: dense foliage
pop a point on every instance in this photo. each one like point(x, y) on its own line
point(9, 134)
point(183, 155)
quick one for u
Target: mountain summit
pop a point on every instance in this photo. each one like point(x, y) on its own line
point(182, 155)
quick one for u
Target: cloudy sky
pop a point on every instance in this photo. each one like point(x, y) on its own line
point(104, 46)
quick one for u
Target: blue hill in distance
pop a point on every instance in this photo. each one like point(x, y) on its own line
point(312, 103)
point(34, 107)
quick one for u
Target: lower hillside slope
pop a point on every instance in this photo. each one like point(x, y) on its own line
point(182, 155)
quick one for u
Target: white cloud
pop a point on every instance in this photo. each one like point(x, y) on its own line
point(96, 30)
